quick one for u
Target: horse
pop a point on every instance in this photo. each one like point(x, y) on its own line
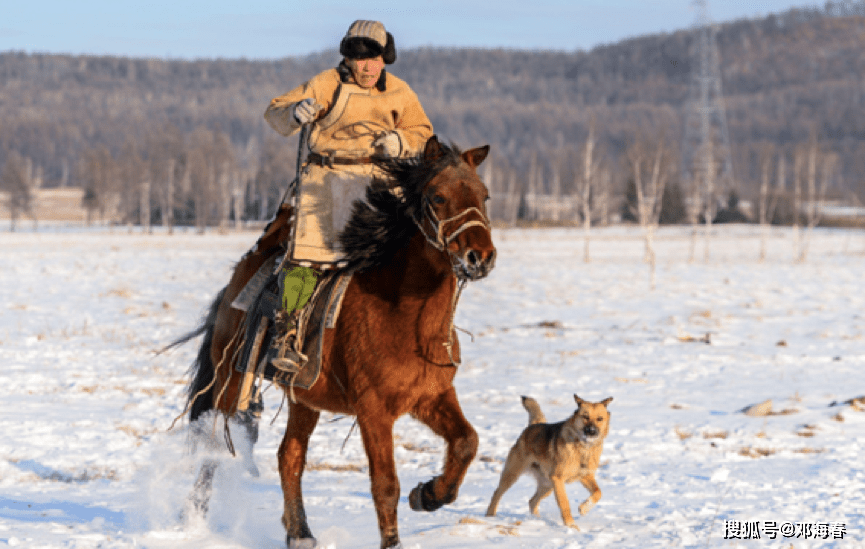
point(421, 235)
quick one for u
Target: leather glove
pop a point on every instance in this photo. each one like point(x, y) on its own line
point(388, 145)
point(306, 110)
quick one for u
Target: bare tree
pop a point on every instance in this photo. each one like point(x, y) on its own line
point(817, 187)
point(799, 155)
point(165, 162)
point(650, 163)
point(15, 181)
point(227, 177)
point(35, 179)
point(96, 172)
point(709, 205)
point(768, 199)
point(247, 166)
point(202, 189)
point(586, 182)
point(133, 187)
point(512, 204)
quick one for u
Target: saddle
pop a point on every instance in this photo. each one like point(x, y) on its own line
point(298, 362)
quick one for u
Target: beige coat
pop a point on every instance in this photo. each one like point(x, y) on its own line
point(354, 117)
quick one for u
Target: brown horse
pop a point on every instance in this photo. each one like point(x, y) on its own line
point(421, 234)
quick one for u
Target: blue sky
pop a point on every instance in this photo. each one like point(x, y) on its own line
point(270, 29)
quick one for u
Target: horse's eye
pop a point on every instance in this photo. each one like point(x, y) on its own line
point(438, 199)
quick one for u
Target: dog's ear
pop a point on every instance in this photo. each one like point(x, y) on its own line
point(579, 401)
point(607, 401)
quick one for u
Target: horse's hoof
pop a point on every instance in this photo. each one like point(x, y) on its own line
point(422, 499)
point(305, 543)
point(415, 498)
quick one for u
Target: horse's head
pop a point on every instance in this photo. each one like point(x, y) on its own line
point(453, 214)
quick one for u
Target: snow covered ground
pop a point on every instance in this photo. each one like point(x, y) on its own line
point(87, 460)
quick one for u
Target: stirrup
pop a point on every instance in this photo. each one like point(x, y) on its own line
point(286, 358)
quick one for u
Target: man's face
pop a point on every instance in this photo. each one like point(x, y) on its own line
point(366, 72)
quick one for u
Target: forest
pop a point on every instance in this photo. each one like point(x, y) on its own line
point(573, 134)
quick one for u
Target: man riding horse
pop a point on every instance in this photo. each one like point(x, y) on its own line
point(410, 245)
point(354, 113)
point(358, 110)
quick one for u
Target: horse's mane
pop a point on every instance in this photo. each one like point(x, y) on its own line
point(384, 224)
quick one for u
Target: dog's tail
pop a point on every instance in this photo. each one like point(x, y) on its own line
point(534, 409)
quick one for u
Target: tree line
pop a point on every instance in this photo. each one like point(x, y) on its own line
point(173, 141)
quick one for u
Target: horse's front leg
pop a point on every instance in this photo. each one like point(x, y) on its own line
point(376, 429)
point(445, 417)
point(292, 460)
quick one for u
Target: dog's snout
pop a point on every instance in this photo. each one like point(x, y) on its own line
point(591, 430)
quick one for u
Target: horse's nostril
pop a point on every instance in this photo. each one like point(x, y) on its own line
point(473, 258)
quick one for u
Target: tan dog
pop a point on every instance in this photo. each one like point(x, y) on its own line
point(558, 453)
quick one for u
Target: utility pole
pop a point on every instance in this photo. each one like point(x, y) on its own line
point(706, 158)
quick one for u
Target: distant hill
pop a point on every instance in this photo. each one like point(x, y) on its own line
point(784, 77)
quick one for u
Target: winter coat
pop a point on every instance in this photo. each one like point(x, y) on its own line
point(353, 117)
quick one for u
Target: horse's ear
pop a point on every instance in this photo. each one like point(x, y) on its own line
point(474, 157)
point(433, 149)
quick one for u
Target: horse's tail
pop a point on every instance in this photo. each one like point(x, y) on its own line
point(199, 394)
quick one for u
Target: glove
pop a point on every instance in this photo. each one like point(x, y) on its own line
point(305, 111)
point(388, 145)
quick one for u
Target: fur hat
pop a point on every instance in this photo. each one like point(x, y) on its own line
point(366, 39)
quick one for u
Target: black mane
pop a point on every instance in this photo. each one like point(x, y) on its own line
point(384, 224)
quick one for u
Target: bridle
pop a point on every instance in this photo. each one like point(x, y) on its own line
point(441, 242)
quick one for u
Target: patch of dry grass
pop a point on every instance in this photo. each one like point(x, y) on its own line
point(125, 293)
point(683, 435)
point(749, 451)
point(341, 468)
point(632, 380)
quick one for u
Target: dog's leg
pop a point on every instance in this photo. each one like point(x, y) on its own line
point(594, 493)
point(545, 488)
point(514, 467)
point(562, 500)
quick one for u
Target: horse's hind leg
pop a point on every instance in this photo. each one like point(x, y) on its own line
point(203, 433)
point(248, 421)
point(445, 417)
point(199, 499)
point(292, 460)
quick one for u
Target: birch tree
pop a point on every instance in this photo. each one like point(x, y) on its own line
point(822, 168)
point(768, 199)
point(649, 163)
point(585, 184)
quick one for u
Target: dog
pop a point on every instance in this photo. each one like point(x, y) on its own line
point(556, 454)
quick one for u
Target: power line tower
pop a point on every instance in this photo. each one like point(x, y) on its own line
point(706, 158)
